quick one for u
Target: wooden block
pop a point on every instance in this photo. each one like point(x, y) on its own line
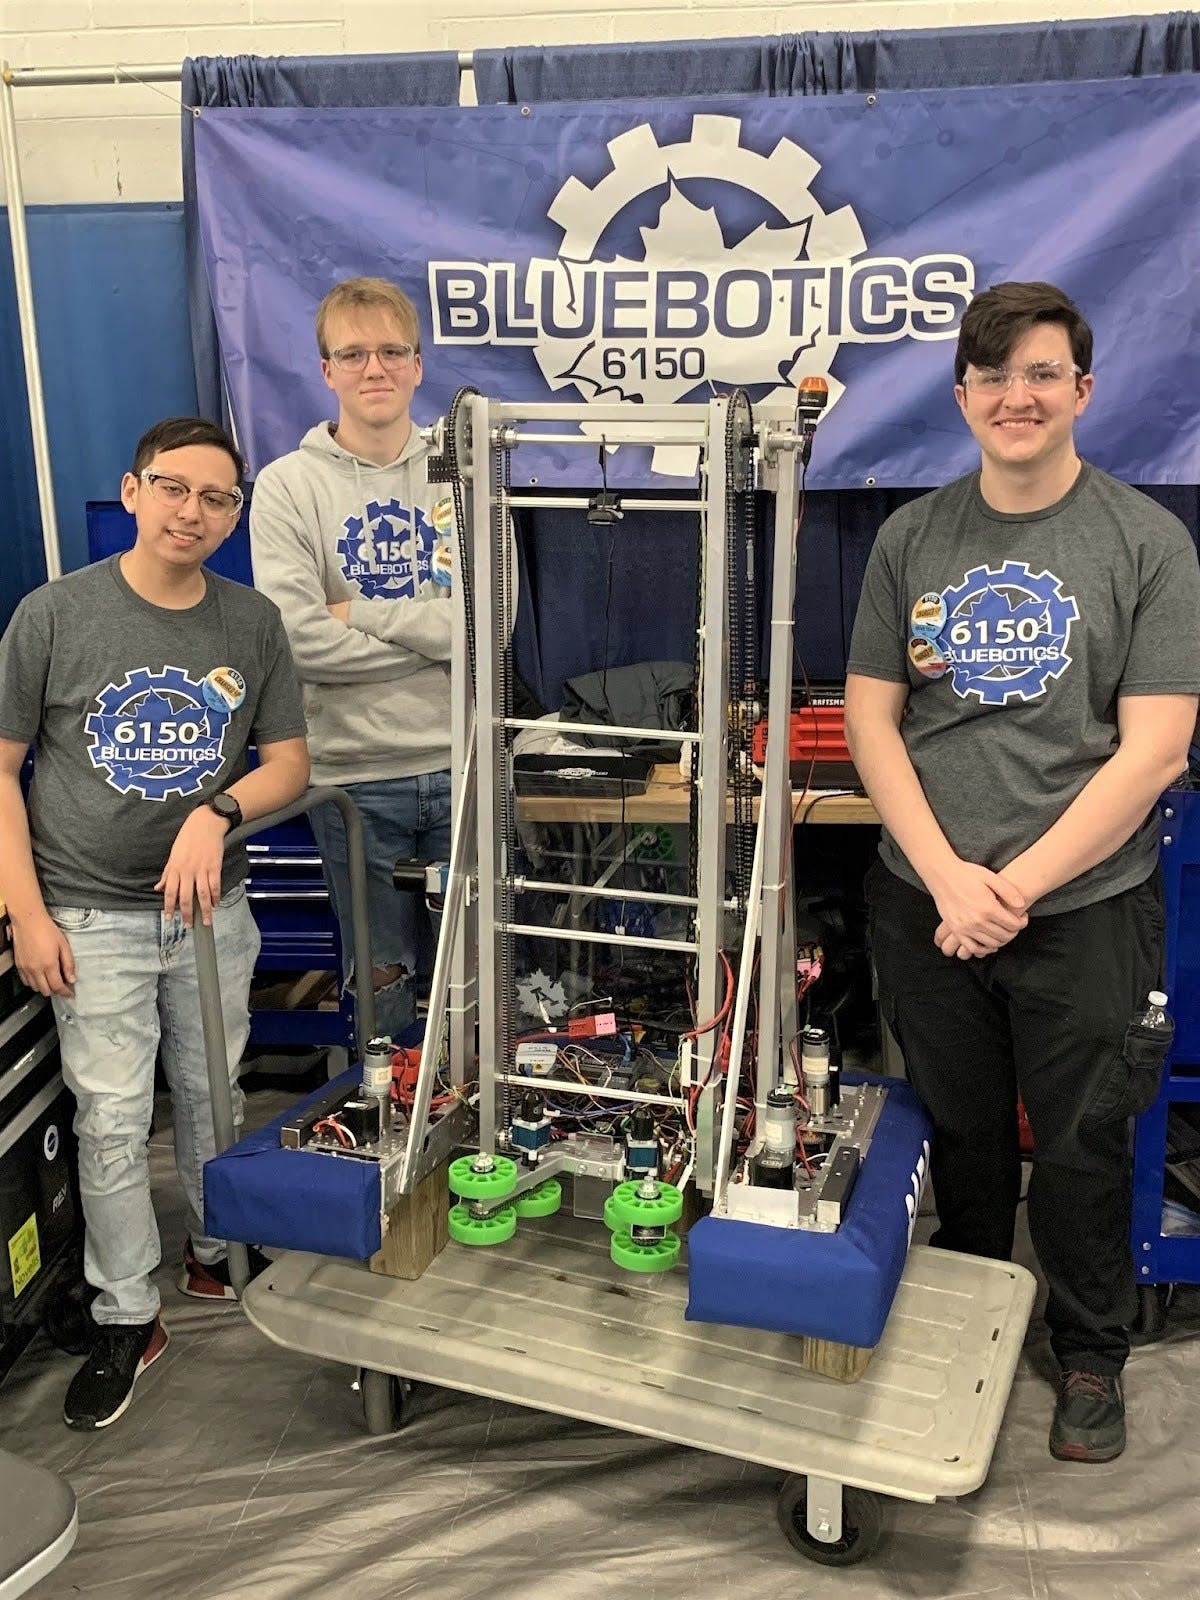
point(415, 1229)
point(695, 1206)
point(845, 1362)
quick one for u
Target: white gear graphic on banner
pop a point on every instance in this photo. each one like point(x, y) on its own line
point(687, 233)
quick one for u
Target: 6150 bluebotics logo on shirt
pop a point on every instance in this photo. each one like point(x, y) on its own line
point(1006, 633)
point(388, 553)
point(162, 733)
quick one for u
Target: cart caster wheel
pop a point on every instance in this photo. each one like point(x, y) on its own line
point(1151, 1321)
point(862, 1523)
point(385, 1400)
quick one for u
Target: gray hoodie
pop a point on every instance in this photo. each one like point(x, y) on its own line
point(326, 526)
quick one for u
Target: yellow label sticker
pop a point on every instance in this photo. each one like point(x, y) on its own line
point(24, 1255)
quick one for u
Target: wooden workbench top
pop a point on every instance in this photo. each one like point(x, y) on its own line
point(666, 800)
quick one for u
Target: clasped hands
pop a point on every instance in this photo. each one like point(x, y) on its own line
point(980, 911)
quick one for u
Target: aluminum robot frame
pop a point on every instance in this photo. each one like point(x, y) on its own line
point(739, 450)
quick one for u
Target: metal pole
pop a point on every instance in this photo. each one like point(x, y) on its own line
point(48, 77)
point(710, 776)
point(19, 241)
point(777, 1025)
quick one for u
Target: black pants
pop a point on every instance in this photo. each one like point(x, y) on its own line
point(1045, 1019)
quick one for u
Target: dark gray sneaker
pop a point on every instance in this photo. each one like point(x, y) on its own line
point(1089, 1419)
point(103, 1387)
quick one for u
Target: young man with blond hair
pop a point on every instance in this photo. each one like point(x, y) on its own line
point(353, 545)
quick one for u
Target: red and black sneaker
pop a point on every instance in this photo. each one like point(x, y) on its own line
point(211, 1281)
point(103, 1387)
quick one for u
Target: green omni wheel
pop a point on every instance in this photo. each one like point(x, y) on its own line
point(543, 1201)
point(611, 1221)
point(468, 1229)
point(660, 848)
point(492, 1183)
point(660, 1256)
point(632, 1209)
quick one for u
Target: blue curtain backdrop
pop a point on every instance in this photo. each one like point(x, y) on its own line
point(416, 80)
point(841, 63)
point(567, 625)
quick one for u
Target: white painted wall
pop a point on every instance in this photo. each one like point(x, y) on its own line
point(111, 142)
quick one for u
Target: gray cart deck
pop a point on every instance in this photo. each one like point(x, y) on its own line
point(546, 1320)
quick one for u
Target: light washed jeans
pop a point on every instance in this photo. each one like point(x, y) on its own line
point(404, 819)
point(136, 988)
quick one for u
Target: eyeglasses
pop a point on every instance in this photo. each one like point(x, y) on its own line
point(1037, 375)
point(214, 503)
point(392, 357)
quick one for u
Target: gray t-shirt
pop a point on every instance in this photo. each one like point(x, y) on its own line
point(137, 714)
point(1016, 634)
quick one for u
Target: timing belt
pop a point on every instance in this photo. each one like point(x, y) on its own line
point(742, 618)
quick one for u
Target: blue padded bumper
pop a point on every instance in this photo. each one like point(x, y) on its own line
point(836, 1286)
point(261, 1194)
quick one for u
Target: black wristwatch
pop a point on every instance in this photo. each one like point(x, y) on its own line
point(226, 806)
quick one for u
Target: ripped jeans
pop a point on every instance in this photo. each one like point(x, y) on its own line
point(136, 990)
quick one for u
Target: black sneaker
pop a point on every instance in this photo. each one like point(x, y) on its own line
point(103, 1387)
point(212, 1282)
point(1089, 1419)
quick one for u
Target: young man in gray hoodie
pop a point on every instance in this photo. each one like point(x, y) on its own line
point(353, 545)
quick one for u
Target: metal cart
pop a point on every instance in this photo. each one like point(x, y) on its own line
point(548, 1321)
point(545, 1318)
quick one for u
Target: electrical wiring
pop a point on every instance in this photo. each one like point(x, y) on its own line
point(343, 1135)
point(726, 1003)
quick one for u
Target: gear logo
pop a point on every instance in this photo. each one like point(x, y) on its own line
point(155, 734)
point(736, 343)
point(697, 264)
point(388, 552)
point(1007, 633)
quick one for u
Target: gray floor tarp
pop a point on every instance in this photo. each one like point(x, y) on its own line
point(245, 1470)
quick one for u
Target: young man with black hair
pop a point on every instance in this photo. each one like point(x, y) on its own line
point(140, 681)
point(1022, 686)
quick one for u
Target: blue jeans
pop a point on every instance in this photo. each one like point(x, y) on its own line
point(403, 819)
point(136, 990)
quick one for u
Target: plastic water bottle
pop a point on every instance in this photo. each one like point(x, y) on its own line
point(1155, 1015)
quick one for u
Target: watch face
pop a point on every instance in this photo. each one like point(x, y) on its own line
point(225, 806)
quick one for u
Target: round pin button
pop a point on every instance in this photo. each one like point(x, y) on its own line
point(927, 658)
point(929, 616)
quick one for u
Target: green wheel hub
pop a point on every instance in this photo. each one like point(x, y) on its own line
point(543, 1201)
point(660, 1256)
point(499, 1179)
point(632, 1211)
point(495, 1229)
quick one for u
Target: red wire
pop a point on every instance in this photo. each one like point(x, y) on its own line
point(725, 1004)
